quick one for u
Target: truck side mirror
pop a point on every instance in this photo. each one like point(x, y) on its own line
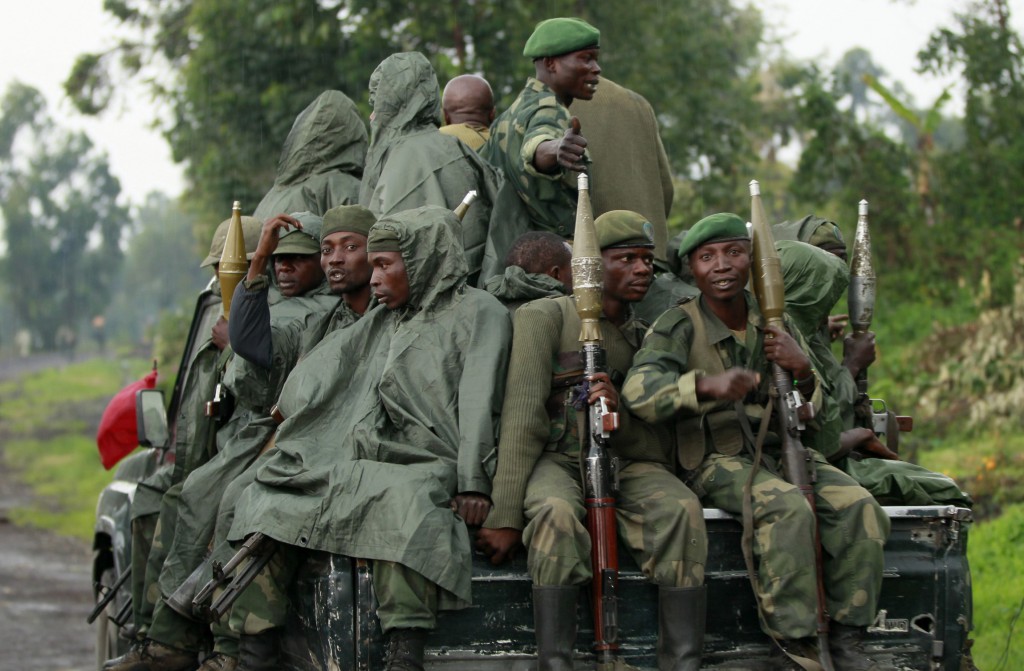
point(151, 418)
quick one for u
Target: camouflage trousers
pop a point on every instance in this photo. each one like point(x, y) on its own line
point(660, 521)
point(148, 557)
point(853, 530)
point(143, 530)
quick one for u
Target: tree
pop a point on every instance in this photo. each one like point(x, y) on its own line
point(62, 222)
point(161, 265)
point(242, 70)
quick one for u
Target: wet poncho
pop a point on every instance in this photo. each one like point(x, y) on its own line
point(411, 164)
point(387, 420)
point(814, 280)
point(516, 286)
point(322, 159)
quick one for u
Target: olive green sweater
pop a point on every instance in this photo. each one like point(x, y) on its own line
point(537, 414)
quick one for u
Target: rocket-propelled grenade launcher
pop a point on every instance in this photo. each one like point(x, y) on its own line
point(861, 293)
point(790, 409)
point(233, 264)
point(598, 476)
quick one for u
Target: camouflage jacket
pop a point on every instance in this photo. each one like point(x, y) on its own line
point(536, 116)
point(688, 342)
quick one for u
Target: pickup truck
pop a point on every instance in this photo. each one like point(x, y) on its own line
point(923, 622)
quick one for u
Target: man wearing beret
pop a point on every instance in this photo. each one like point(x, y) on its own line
point(705, 366)
point(538, 496)
point(534, 141)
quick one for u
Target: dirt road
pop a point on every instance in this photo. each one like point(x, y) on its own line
point(45, 583)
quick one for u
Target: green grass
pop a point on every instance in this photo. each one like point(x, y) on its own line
point(48, 419)
point(997, 572)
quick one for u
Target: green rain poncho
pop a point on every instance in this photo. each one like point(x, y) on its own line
point(814, 280)
point(390, 418)
point(516, 286)
point(411, 164)
point(322, 159)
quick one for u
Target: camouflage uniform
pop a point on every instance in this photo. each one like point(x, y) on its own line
point(535, 117)
point(689, 341)
point(538, 479)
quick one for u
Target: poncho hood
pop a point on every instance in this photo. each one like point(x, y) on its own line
point(328, 135)
point(429, 242)
point(814, 280)
point(405, 98)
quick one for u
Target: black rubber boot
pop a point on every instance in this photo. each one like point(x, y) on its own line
point(681, 618)
point(404, 651)
point(259, 652)
point(554, 624)
point(847, 647)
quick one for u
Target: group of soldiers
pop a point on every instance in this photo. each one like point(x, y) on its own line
point(351, 403)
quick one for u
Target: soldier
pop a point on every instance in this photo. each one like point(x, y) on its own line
point(704, 366)
point(468, 107)
point(814, 281)
point(538, 265)
point(154, 506)
point(379, 450)
point(410, 164)
point(823, 234)
point(630, 167)
point(538, 495)
point(343, 258)
point(532, 141)
point(322, 159)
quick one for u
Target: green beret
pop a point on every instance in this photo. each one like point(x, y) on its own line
point(251, 227)
point(554, 37)
point(301, 241)
point(827, 235)
point(347, 219)
point(714, 228)
point(382, 240)
point(622, 228)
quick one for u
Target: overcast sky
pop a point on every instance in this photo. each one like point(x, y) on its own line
point(43, 37)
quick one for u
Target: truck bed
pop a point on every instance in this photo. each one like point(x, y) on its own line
point(923, 622)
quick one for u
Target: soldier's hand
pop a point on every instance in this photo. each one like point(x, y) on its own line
point(784, 350)
point(866, 442)
point(732, 385)
point(858, 351)
point(571, 147)
point(219, 335)
point(271, 233)
point(836, 326)
point(499, 544)
point(472, 507)
point(601, 386)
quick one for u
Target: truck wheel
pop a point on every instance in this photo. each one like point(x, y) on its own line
point(106, 632)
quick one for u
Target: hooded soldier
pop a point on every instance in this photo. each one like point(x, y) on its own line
point(814, 280)
point(411, 164)
point(322, 159)
point(368, 457)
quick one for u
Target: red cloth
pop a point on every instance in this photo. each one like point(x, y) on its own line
point(118, 433)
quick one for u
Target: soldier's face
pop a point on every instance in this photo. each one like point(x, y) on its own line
point(575, 74)
point(344, 262)
point(297, 273)
point(390, 281)
point(627, 273)
point(721, 269)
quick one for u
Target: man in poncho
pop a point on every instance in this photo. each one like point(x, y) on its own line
point(814, 281)
point(388, 425)
point(322, 159)
point(537, 266)
point(411, 164)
